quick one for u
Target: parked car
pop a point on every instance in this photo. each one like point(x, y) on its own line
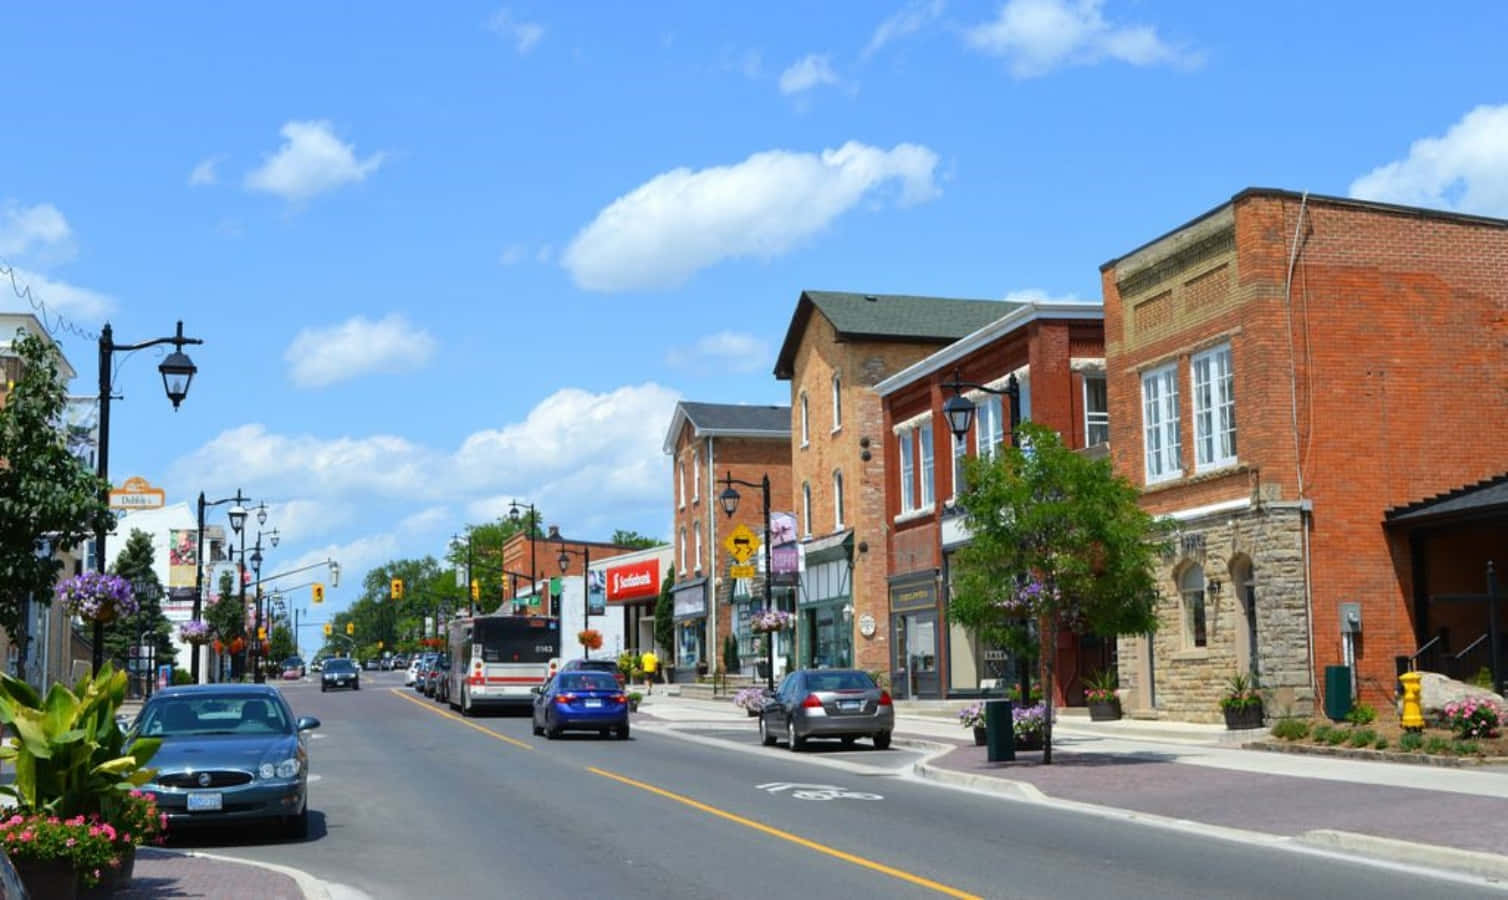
point(609, 666)
point(442, 686)
point(231, 753)
point(580, 701)
point(416, 670)
point(340, 673)
point(292, 674)
point(10, 880)
point(397, 662)
point(827, 703)
point(294, 662)
point(317, 665)
point(438, 671)
point(369, 665)
point(420, 669)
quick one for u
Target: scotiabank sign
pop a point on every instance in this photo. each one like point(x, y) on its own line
point(633, 582)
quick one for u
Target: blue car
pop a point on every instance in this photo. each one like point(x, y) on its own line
point(581, 701)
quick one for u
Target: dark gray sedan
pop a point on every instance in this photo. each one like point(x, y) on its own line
point(230, 753)
point(340, 673)
point(828, 703)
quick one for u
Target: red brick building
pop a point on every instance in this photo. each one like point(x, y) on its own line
point(1291, 378)
point(1055, 350)
point(706, 442)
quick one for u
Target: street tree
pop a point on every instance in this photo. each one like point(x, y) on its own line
point(149, 626)
point(1057, 540)
point(487, 540)
point(48, 497)
point(281, 645)
point(665, 617)
point(626, 538)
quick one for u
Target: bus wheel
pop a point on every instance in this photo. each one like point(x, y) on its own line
point(465, 702)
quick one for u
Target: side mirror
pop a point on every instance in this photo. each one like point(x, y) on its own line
point(307, 723)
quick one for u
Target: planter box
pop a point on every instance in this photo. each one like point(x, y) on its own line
point(1104, 710)
point(1243, 717)
point(53, 880)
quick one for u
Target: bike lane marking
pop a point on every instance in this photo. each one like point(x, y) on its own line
point(398, 692)
point(796, 839)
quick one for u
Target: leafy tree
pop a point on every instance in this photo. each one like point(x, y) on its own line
point(1058, 539)
point(225, 614)
point(634, 539)
point(665, 616)
point(282, 647)
point(44, 489)
point(149, 624)
point(487, 542)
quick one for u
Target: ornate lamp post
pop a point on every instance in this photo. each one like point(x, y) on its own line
point(729, 499)
point(586, 587)
point(532, 518)
point(238, 499)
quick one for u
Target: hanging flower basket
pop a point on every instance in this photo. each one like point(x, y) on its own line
point(237, 645)
point(195, 631)
point(770, 620)
point(590, 638)
point(219, 645)
point(94, 597)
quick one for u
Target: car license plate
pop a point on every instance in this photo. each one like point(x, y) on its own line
point(850, 705)
point(203, 802)
point(590, 704)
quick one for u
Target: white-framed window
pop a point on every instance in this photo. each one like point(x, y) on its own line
point(838, 500)
point(960, 450)
point(696, 477)
point(698, 527)
point(1214, 408)
point(806, 509)
point(1159, 415)
point(806, 432)
point(837, 401)
point(903, 442)
point(682, 551)
point(990, 434)
point(1195, 626)
point(1024, 398)
point(1096, 410)
point(680, 486)
point(924, 464)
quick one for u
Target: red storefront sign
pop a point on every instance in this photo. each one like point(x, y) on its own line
point(634, 581)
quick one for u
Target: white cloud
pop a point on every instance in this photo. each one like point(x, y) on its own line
point(204, 173)
point(524, 35)
point(1466, 169)
point(318, 357)
point(1037, 295)
point(806, 73)
point(425, 520)
point(311, 160)
point(1037, 36)
point(725, 350)
point(684, 220)
point(356, 557)
point(300, 519)
point(80, 304)
point(24, 229)
point(907, 21)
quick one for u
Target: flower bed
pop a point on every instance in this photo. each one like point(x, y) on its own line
point(1471, 735)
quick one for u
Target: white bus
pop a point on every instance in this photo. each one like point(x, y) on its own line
point(496, 660)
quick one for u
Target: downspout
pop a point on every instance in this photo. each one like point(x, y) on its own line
point(710, 511)
point(1306, 508)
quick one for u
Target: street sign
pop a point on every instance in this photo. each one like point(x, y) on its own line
point(742, 544)
point(137, 493)
point(740, 571)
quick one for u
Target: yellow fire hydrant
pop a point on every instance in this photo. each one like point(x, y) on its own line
point(1412, 718)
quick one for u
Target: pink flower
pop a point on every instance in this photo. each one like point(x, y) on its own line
point(26, 836)
point(70, 842)
point(109, 831)
point(52, 820)
point(94, 831)
point(126, 837)
point(15, 820)
point(135, 792)
point(162, 818)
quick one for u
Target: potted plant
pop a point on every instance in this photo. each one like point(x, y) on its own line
point(54, 856)
point(195, 631)
point(972, 716)
point(633, 700)
point(1029, 724)
point(95, 597)
point(1242, 703)
point(751, 700)
point(1100, 694)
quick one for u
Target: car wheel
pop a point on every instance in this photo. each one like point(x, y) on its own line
point(795, 743)
point(465, 702)
point(848, 740)
point(323, 689)
point(356, 686)
point(604, 732)
point(765, 737)
point(538, 728)
point(552, 731)
point(882, 740)
point(297, 827)
point(623, 732)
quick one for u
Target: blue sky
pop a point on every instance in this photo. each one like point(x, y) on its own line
point(443, 258)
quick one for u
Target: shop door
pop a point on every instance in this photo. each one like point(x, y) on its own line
point(915, 661)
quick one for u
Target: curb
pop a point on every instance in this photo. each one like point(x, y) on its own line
point(312, 888)
point(1471, 862)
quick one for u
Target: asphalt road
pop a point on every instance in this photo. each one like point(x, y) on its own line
point(412, 800)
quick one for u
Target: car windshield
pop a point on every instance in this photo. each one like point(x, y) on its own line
point(214, 714)
point(340, 665)
point(292, 662)
point(586, 681)
point(838, 681)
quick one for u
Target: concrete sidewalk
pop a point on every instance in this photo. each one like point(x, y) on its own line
point(169, 873)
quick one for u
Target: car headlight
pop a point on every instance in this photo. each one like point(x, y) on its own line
point(267, 770)
point(288, 768)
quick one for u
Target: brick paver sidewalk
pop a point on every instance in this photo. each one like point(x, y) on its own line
point(162, 873)
point(1279, 804)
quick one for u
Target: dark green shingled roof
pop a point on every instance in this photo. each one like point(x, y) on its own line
point(888, 317)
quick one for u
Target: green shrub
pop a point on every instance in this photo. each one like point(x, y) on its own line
point(1321, 733)
point(1338, 736)
point(1436, 745)
point(182, 677)
point(1411, 741)
point(1361, 737)
point(1483, 678)
point(1361, 714)
point(1380, 744)
point(1465, 748)
point(1291, 729)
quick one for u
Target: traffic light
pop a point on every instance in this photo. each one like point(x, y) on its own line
point(319, 592)
point(397, 589)
point(350, 628)
point(329, 629)
point(262, 633)
point(379, 645)
point(476, 590)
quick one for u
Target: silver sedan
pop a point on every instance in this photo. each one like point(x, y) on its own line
point(828, 703)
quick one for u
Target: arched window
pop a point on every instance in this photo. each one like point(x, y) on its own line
point(837, 401)
point(683, 551)
point(806, 509)
point(838, 500)
point(806, 431)
point(1191, 586)
point(698, 563)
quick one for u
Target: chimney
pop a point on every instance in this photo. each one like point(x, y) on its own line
point(554, 534)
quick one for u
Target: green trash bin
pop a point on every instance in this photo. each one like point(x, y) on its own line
point(1000, 731)
point(1337, 692)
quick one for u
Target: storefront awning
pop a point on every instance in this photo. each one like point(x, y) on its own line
point(829, 548)
point(1485, 499)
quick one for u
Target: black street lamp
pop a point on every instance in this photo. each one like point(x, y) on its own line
point(586, 583)
point(729, 500)
point(960, 409)
point(258, 675)
point(177, 373)
point(516, 518)
point(236, 523)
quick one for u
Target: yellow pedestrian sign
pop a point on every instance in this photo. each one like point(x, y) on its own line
point(740, 571)
point(742, 543)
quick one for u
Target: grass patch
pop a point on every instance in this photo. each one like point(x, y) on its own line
point(1291, 729)
point(1411, 741)
point(1362, 737)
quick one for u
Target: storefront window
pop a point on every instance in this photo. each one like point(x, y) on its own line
point(690, 637)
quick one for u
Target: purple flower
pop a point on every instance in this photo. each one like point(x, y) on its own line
point(92, 596)
point(194, 631)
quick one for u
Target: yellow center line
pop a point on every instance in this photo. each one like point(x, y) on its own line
point(398, 692)
point(787, 836)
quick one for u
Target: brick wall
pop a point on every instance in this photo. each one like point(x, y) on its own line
point(746, 459)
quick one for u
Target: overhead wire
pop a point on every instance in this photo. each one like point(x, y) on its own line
point(53, 322)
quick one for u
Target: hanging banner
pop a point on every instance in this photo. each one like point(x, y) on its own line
point(785, 553)
point(183, 556)
point(596, 592)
